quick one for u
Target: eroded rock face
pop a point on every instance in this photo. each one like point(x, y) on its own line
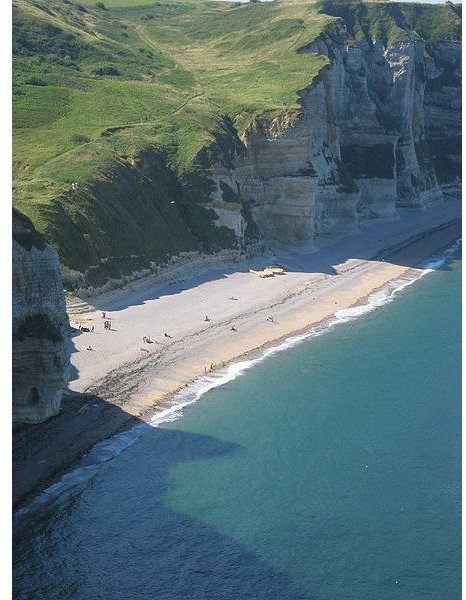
point(442, 110)
point(40, 326)
point(367, 140)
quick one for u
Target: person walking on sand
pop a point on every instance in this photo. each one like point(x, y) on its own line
point(92, 329)
point(206, 318)
point(233, 328)
point(103, 315)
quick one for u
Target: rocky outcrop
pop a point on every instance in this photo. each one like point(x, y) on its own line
point(40, 326)
point(378, 130)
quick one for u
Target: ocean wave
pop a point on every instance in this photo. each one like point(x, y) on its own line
point(173, 410)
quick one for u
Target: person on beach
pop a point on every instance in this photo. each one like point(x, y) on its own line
point(233, 298)
point(270, 318)
point(166, 335)
point(206, 318)
point(92, 329)
point(144, 339)
point(233, 328)
point(88, 348)
point(103, 315)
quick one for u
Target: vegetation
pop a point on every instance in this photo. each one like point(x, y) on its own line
point(38, 326)
point(96, 85)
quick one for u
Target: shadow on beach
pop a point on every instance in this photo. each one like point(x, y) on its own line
point(300, 259)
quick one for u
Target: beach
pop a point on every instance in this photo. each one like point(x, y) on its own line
point(204, 321)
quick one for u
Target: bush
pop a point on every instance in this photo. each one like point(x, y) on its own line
point(36, 81)
point(100, 5)
point(80, 139)
point(106, 70)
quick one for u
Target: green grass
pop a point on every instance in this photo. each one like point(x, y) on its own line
point(94, 88)
point(175, 74)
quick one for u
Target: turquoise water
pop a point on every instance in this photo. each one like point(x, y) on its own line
point(328, 471)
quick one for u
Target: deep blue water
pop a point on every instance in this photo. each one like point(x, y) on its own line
point(328, 471)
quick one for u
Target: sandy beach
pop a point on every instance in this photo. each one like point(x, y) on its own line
point(210, 319)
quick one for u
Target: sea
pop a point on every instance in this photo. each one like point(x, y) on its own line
point(327, 468)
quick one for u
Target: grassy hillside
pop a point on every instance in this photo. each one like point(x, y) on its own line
point(160, 75)
point(97, 84)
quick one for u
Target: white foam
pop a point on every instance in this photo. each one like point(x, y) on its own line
point(109, 449)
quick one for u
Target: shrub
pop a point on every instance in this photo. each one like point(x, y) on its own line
point(36, 81)
point(100, 5)
point(80, 139)
point(106, 70)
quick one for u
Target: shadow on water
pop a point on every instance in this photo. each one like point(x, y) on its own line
point(111, 535)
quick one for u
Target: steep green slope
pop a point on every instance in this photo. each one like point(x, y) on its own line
point(130, 98)
point(94, 87)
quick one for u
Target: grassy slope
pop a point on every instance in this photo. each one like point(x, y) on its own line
point(94, 87)
point(181, 67)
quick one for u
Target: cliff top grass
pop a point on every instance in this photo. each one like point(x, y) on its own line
point(94, 86)
point(95, 83)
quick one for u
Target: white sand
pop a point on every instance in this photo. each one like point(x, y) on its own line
point(136, 375)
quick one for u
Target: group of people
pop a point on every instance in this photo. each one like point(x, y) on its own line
point(107, 324)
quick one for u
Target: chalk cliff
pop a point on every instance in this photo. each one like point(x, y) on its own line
point(40, 326)
point(379, 129)
point(376, 129)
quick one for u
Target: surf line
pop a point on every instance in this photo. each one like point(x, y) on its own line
point(110, 448)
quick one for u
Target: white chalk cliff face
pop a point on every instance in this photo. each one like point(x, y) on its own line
point(40, 326)
point(356, 150)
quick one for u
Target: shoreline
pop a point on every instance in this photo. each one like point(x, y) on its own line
point(140, 389)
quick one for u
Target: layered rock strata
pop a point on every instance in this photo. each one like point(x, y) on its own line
point(378, 129)
point(40, 326)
